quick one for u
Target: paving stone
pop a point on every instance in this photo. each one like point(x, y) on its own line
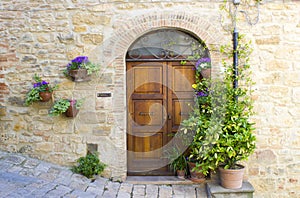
point(79, 182)
point(181, 191)
point(27, 172)
point(111, 189)
point(20, 192)
point(99, 182)
point(123, 195)
point(15, 169)
point(80, 194)
point(165, 191)
point(138, 191)
point(95, 190)
point(14, 159)
point(151, 191)
point(41, 192)
point(17, 179)
point(126, 187)
point(42, 168)
point(31, 163)
point(64, 177)
point(125, 190)
point(59, 191)
point(47, 176)
point(6, 188)
point(2, 154)
point(5, 166)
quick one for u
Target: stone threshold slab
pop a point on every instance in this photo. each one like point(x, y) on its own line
point(158, 180)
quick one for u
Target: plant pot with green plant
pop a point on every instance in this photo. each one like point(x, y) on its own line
point(228, 135)
point(41, 91)
point(196, 126)
point(70, 107)
point(177, 161)
point(80, 68)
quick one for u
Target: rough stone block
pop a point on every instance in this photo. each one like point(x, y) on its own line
point(214, 190)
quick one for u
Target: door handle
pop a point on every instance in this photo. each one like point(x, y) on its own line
point(169, 117)
point(146, 113)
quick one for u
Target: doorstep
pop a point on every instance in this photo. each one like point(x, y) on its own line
point(160, 180)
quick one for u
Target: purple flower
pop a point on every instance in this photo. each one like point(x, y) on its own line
point(44, 83)
point(72, 102)
point(80, 59)
point(202, 60)
point(201, 94)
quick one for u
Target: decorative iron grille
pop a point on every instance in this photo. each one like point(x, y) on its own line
point(166, 44)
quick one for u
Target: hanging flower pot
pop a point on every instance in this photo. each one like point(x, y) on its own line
point(78, 75)
point(72, 111)
point(205, 73)
point(80, 69)
point(69, 108)
point(41, 91)
point(232, 178)
point(45, 96)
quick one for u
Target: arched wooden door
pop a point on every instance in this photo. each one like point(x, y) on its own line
point(158, 98)
point(159, 91)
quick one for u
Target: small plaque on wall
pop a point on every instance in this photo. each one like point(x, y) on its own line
point(103, 94)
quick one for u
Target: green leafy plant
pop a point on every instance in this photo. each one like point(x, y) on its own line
point(81, 62)
point(61, 106)
point(39, 86)
point(177, 159)
point(89, 165)
point(221, 119)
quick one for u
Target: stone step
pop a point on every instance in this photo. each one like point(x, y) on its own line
point(215, 190)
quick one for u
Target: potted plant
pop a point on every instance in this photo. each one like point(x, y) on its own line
point(221, 122)
point(80, 68)
point(41, 91)
point(177, 162)
point(69, 107)
point(203, 65)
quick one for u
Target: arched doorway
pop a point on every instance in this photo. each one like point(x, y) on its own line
point(159, 95)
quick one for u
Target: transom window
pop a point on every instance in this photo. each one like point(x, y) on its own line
point(166, 44)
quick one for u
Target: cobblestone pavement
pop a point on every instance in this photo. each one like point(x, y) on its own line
point(21, 176)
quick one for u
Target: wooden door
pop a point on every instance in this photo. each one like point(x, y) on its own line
point(158, 94)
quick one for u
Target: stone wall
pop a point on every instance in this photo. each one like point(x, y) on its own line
point(42, 36)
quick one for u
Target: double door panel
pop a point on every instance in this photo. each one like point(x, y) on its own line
point(158, 98)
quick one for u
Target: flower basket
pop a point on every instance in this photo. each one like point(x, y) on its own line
point(41, 91)
point(79, 75)
point(45, 96)
point(72, 111)
point(205, 73)
point(80, 69)
point(69, 108)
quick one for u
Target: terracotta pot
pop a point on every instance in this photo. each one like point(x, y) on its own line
point(180, 174)
point(78, 75)
point(195, 175)
point(72, 111)
point(45, 96)
point(205, 73)
point(232, 178)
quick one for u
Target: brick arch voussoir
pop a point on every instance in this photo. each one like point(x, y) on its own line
point(132, 29)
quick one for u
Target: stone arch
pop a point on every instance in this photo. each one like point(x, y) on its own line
point(115, 48)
